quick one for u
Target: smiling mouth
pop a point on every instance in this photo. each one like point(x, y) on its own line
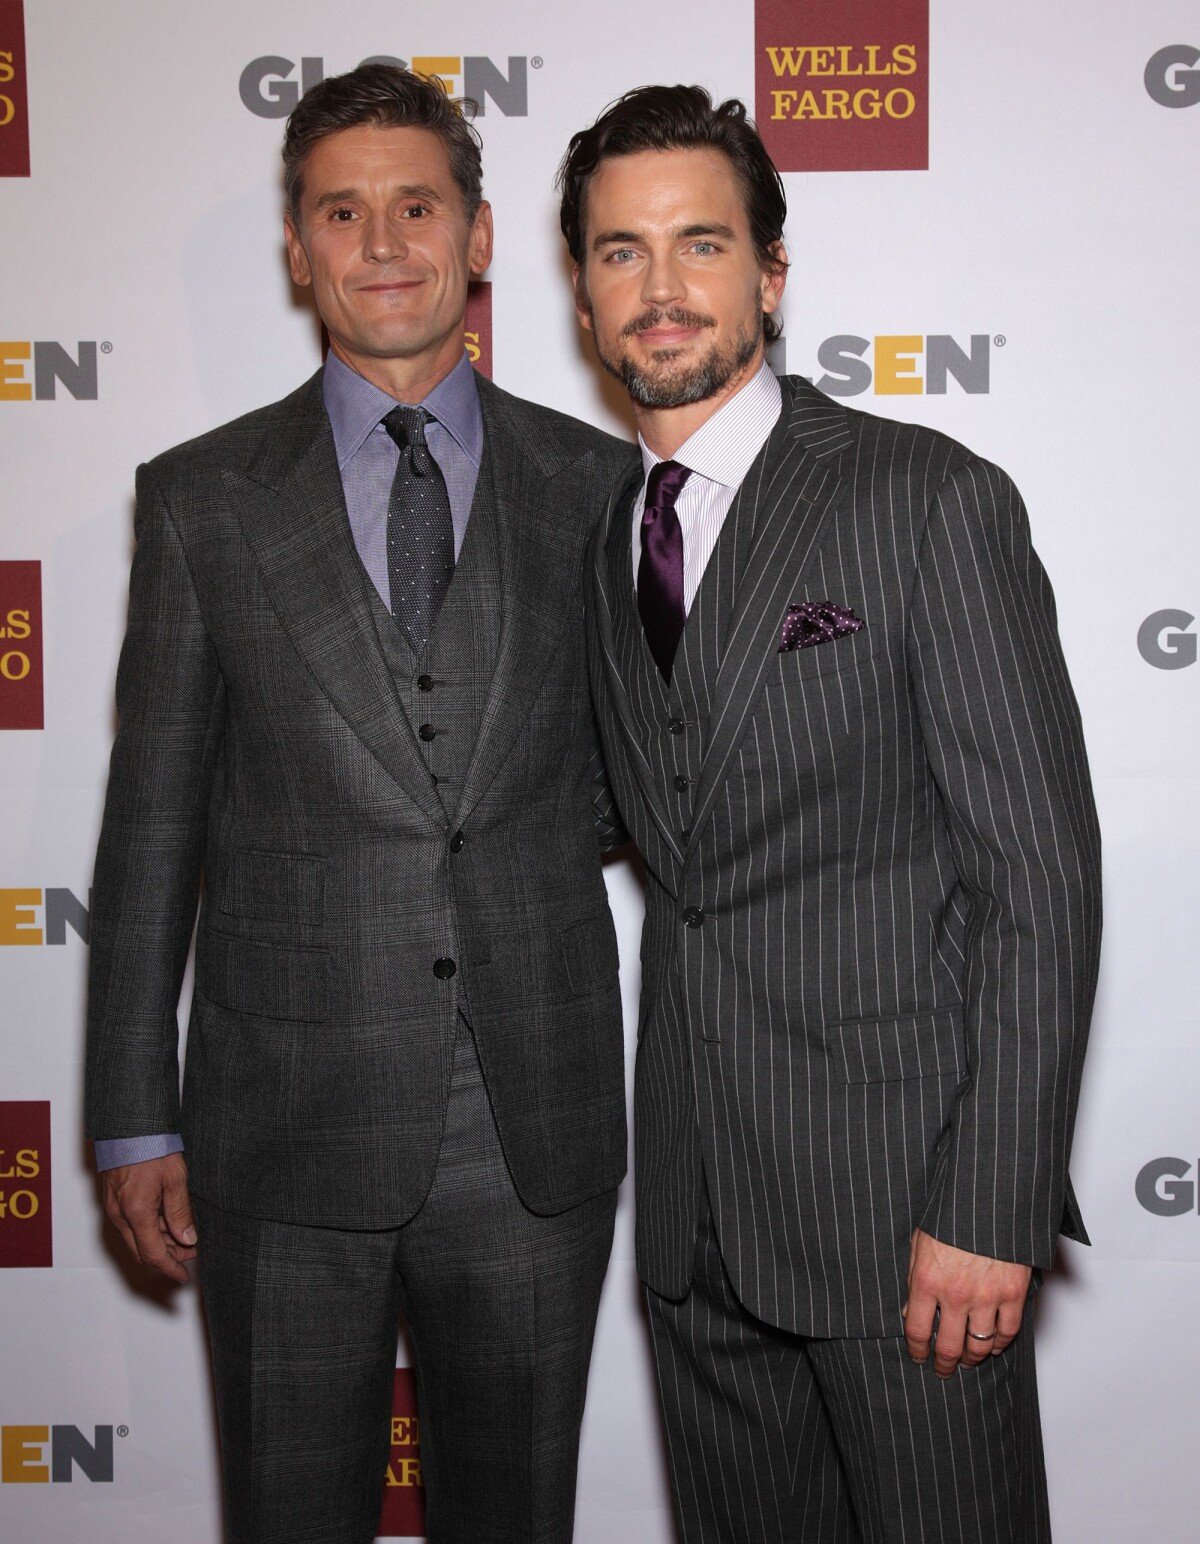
point(389, 286)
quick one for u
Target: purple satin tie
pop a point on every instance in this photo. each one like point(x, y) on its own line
point(660, 571)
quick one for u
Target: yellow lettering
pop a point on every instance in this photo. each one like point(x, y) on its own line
point(17, 625)
point(867, 103)
point(439, 67)
point(900, 103)
point(14, 666)
point(22, 1204)
point(28, 1163)
point(8, 111)
point(822, 61)
point(895, 366)
point(474, 352)
point(20, 1449)
point(7, 68)
point(17, 922)
point(405, 1431)
point(837, 104)
point(904, 58)
point(13, 385)
point(788, 61)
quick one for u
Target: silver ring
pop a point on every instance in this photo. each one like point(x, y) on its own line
point(974, 1334)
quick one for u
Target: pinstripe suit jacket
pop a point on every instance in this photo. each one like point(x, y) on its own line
point(890, 843)
point(262, 743)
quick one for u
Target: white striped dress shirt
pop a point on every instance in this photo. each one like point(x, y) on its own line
point(718, 454)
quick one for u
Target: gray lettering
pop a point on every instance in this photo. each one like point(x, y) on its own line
point(1163, 642)
point(849, 373)
point(265, 89)
point(944, 357)
point(481, 79)
point(65, 910)
point(69, 1446)
point(1168, 83)
point(52, 363)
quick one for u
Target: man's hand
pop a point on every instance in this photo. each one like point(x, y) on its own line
point(972, 1295)
point(148, 1205)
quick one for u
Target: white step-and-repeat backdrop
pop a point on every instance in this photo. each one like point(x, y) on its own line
point(993, 230)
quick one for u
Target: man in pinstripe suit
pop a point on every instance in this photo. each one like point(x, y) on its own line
point(839, 726)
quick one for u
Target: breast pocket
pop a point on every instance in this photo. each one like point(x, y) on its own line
point(838, 654)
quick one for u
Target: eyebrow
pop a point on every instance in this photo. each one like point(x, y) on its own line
point(405, 190)
point(619, 238)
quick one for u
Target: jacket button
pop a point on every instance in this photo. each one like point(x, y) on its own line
point(425, 683)
point(693, 917)
point(456, 842)
point(682, 783)
point(444, 969)
point(427, 731)
point(675, 726)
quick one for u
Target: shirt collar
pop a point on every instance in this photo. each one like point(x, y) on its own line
point(355, 407)
point(723, 448)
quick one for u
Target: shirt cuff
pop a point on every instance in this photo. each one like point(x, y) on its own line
point(112, 1152)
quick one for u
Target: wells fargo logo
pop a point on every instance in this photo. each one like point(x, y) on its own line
point(14, 91)
point(26, 1227)
point(403, 1491)
point(269, 86)
point(843, 85)
point(477, 327)
point(33, 372)
point(42, 917)
point(22, 698)
point(41, 1455)
point(906, 364)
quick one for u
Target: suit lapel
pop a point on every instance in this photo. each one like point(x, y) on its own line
point(622, 642)
point(293, 515)
point(539, 541)
point(791, 489)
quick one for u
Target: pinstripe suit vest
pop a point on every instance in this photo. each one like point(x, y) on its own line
point(873, 915)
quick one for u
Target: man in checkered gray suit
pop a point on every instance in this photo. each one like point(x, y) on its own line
point(838, 723)
point(353, 696)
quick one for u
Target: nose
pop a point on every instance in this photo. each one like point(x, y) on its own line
point(383, 240)
point(662, 280)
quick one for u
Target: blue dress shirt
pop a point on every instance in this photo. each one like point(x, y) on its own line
point(367, 458)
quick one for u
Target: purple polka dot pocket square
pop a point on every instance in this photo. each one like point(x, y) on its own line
point(817, 621)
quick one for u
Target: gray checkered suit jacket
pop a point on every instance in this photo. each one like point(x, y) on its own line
point(262, 744)
point(873, 912)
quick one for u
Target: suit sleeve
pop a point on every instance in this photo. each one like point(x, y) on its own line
point(170, 706)
point(1003, 738)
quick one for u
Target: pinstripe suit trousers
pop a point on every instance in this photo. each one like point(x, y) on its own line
point(777, 1438)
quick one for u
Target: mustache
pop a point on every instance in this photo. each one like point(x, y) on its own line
point(675, 315)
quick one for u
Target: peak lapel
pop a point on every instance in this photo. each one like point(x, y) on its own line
point(613, 547)
point(293, 515)
point(540, 549)
point(794, 487)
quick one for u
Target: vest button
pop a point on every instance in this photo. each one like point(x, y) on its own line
point(425, 683)
point(681, 783)
point(444, 969)
point(456, 842)
point(693, 917)
point(427, 731)
point(675, 726)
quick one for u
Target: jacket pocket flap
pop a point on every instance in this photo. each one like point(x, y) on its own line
point(590, 954)
point(270, 981)
point(907, 1045)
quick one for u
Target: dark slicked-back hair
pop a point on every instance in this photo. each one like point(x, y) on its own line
point(389, 98)
point(678, 118)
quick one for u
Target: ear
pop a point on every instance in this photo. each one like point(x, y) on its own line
point(583, 302)
point(297, 256)
point(480, 247)
point(773, 281)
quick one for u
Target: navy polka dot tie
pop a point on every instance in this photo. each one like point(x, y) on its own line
point(420, 529)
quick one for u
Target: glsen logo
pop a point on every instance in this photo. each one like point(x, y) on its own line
point(905, 364)
point(26, 1224)
point(843, 87)
point(1164, 642)
point(1172, 78)
point(23, 1454)
point(477, 327)
point(43, 917)
point(1167, 1187)
point(403, 1489)
point(22, 704)
point(270, 89)
point(34, 371)
point(14, 92)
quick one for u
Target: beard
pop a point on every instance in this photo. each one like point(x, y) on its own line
point(668, 381)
